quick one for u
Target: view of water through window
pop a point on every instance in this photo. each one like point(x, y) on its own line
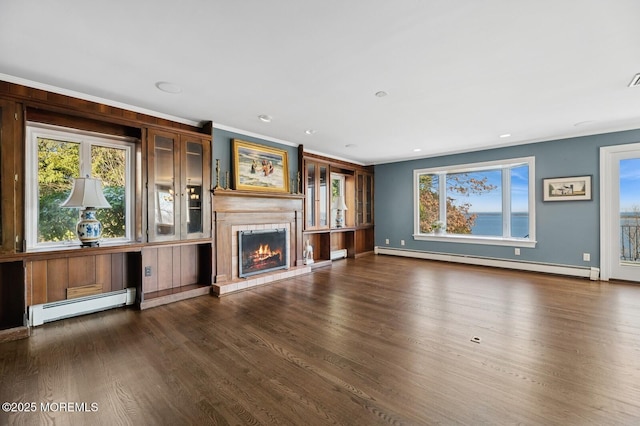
point(630, 210)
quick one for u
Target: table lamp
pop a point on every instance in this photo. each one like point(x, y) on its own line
point(87, 195)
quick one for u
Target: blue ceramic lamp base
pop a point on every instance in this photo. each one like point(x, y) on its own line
point(89, 229)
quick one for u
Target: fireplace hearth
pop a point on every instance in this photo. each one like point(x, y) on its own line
point(262, 251)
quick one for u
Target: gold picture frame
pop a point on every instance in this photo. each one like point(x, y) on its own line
point(259, 167)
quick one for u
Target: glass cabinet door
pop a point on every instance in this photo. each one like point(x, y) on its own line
point(164, 201)
point(368, 192)
point(311, 196)
point(323, 203)
point(195, 169)
point(179, 178)
point(364, 199)
point(193, 195)
point(317, 195)
point(359, 199)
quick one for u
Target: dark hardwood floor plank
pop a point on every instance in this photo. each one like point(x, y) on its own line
point(377, 340)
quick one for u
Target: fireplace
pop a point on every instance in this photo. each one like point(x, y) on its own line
point(262, 251)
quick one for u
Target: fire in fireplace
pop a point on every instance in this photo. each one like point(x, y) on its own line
point(262, 251)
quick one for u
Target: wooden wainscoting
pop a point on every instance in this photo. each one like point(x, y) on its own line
point(173, 272)
point(50, 278)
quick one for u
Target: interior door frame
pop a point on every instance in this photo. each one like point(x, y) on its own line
point(606, 199)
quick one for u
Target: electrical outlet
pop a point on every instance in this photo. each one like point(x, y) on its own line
point(386, 241)
point(586, 257)
point(147, 271)
point(517, 251)
point(401, 242)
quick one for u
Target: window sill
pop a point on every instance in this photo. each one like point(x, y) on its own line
point(475, 239)
point(76, 245)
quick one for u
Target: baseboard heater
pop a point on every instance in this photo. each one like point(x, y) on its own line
point(576, 271)
point(338, 254)
point(47, 312)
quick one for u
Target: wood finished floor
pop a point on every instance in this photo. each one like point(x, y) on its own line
point(378, 340)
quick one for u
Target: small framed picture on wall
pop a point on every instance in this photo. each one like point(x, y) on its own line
point(572, 188)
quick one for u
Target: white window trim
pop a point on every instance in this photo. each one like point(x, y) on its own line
point(36, 130)
point(506, 201)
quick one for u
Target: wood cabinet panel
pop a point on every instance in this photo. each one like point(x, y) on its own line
point(82, 271)
point(12, 162)
point(57, 279)
point(176, 279)
point(103, 272)
point(150, 260)
point(166, 266)
point(36, 282)
point(188, 265)
point(119, 269)
point(338, 240)
point(364, 240)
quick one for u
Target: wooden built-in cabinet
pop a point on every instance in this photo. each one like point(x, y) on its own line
point(179, 174)
point(172, 247)
point(364, 198)
point(11, 173)
point(355, 237)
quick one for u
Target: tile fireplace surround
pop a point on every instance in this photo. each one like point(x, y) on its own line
point(236, 211)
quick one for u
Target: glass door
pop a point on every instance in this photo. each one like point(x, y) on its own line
point(310, 211)
point(165, 198)
point(323, 206)
point(621, 212)
point(195, 178)
point(193, 188)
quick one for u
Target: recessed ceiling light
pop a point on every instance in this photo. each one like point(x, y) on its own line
point(167, 87)
point(584, 123)
point(505, 135)
point(381, 94)
point(351, 145)
point(635, 81)
point(265, 118)
point(417, 150)
point(310, 131)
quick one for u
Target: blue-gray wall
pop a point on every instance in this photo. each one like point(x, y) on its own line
point(222, 151)
point(564, 230)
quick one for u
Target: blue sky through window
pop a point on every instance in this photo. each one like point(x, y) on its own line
point(629, 184)
point(491, 202)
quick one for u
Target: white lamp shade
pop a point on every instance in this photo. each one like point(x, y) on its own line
point(86, 192)
point(339, 203)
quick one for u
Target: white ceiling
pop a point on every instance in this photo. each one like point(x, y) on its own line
point(458, 73)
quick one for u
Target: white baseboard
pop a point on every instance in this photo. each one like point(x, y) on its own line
point(39, 314)
point(574, 271)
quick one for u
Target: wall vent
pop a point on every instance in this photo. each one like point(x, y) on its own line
point(635, 81)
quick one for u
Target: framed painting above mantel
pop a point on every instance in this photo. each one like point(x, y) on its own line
point(259, 168)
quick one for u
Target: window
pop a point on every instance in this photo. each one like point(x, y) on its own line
point(483, 203)
point(55, 155)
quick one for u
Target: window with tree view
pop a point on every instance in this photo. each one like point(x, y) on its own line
point(488, 202)
point(54, 157)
